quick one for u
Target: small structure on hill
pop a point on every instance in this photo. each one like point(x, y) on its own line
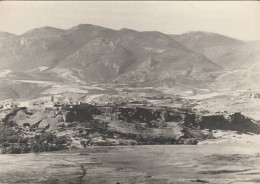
point(254, 96)
point(50, 104)
point(27, 104)
point(52, 98)
point(8, 104)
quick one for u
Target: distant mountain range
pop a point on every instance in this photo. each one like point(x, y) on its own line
point(96, 54)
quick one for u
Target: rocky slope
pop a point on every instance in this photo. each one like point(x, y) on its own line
point(99, 60)
point(37, 130)
point(244, 78)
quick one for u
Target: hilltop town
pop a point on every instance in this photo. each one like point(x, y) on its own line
point(55, 123)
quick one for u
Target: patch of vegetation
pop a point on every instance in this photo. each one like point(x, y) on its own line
point(12, 142)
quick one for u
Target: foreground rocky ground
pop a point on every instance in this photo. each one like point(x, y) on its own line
point(36, 130)
point(153, 164)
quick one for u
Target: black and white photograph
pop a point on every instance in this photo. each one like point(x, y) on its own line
point(129, 92)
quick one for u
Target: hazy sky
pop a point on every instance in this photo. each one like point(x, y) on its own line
point(237, 19)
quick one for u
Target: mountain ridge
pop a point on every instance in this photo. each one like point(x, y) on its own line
point(227, 52)
point(151, 55)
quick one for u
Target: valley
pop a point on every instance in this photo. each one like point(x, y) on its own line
point(135, 88)
point(129, 92)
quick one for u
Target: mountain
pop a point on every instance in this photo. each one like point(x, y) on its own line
point(33, 49)
point(45, 46)
point(199, 40)
point(128, 56)
point(93, 54)
point(97, 54)
point(227, 52)
point(160, 60)
point(46, 31)
point(99, 60)
point(8, 42)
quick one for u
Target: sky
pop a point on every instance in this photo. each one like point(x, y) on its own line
point(238, 19)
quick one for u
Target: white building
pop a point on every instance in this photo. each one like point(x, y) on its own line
point(26, 104)
point(8, 104)
point(50, 104)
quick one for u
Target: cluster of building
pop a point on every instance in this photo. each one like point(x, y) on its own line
point(8, 104)
point(254, 96)
point(52, 104)
point(46, 105)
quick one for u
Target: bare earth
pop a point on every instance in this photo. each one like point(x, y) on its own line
point(221, 163)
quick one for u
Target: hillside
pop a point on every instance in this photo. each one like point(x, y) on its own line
point(227, 52)
point(43, 47)
point(97, 54)
point(78, 127)
point(90, 54)
point(46, 31)
point(199, 40)
point(134, 56)
point(99, 60)
point(14, 90)
point(245, 77)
